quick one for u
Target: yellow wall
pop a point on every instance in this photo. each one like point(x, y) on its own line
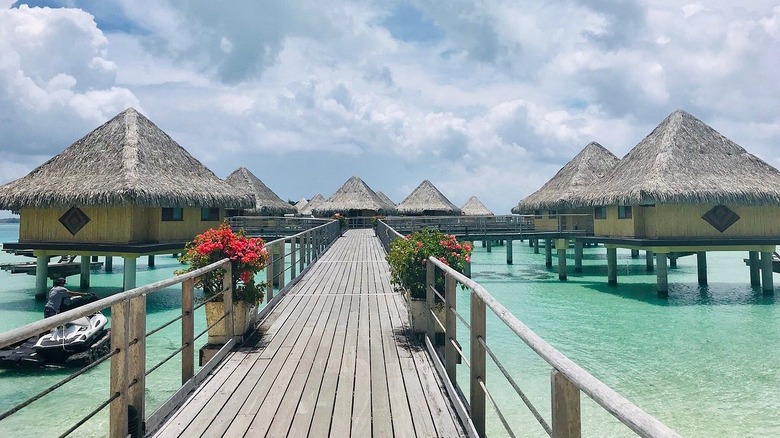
point(612, 226)
point(122, 224)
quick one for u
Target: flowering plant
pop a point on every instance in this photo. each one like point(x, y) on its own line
point(342, 220)
point(407, 259)
point(247, 257)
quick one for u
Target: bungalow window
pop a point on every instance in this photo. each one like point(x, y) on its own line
point(551, 214)
point(209, 214)
point(232, 212)
point(600, 213)
point(538, 214)
point(624, 212)
point(170, 214)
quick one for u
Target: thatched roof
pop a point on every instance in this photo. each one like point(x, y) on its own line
point(300, 204)
point(267, 203)
point(353, 195)
point(475, 207)
point(126, 161)
point(684, 161)
point(313, 203)
point(426, 198)
point(562, 190)
point(386, 200)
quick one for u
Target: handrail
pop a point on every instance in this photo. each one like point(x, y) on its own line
point(642, 423)
point(128, 331)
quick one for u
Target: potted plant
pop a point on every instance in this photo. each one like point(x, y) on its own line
point(408, 269)
point(248, 256)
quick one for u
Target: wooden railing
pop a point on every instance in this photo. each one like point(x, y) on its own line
point(128, 333)
point(478, 227)
point(568, 379)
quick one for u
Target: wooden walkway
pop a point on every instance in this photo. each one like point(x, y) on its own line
point(332, 359)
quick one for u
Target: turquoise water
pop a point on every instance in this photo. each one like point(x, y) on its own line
point(703, 360)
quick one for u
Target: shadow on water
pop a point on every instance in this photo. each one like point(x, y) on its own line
point(686, 294)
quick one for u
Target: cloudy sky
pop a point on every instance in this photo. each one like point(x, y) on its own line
point(486, 98)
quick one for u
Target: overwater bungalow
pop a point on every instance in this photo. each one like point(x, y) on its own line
point(427, 200)
point(354, 199)
point(300, 205)
point(556, 205)
point(475, 207)
point(313, 203)
point(687, 189)
point(267, 203)
point(125, 189)
point(391, 205)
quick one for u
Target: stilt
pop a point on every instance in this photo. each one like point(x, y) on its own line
point(662, 282)
point(672, 260)
point(150, 260)
point(530, 243)
point(755, 269)
point(561, 245)
point(611, 266)
point(41, 274)
point(508, 252)
point(577, 256)
point(701, 263)
point(536, 246)
point(767, 280)
point(634, 253)
point(484, 243)
point(548, 253)
point(84, 277)
point(489, 245)
point(649, 261)
point(109, 264)
point(128, 277)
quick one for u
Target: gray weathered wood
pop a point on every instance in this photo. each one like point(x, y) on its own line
point(187, 330)
point(565, 400)
point(120, 322)
point(477, 361)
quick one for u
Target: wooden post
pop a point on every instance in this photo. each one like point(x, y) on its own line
point(649, 261)
point(136, 357)
point(476, 393)
point(41, 274)
point(293, 260)
point(701, 264)
point(430, 284)
point(150, 260)
point(128, 276)
point(634, 253)
point(278, 261)
point(109, 264)
point(561, 245)
point(548, 253)
point(509, 252)
point(301, 253)
point(566, 417)
point(84, 274)
point(450, 327)
point(489, 246)
point(662, 282)
point(120, 322)
point(536, 246)
point(577, 256)
point(755, 275)
point(187, 330)
point(611, 265)
point(269, 275)
point(672, 260)
point(767, 274)
point(227, 299)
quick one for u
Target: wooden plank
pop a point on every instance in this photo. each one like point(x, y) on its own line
point(361, 411)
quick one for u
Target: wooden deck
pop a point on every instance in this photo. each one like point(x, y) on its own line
point(332, 359)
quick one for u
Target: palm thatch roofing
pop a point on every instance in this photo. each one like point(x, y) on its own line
point(354, 194)
point(313, 203)
point(300, 204)
point(475, 207)
point(267, 203)
point(126, 161)
point(685, 161)
point(562, 190)
point(427, 199)
point(386, 200)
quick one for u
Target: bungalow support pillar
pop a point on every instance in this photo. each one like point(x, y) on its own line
point(755, 275)
point(662, 280)
point(577, 256)
point(701, 263)
point(41, 274)
point(767, 280)
point(109, 264)
point(634, 253)
point(672, 260)
point(548, 253)
point(536, 246)
point(561, 245)
point(611, 266)
point(150, 260)
point(489, 244)
point(649, 261)
point(509, 252)
point(84, 277)
point(128, 278)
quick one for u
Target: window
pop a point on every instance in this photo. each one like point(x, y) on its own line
point(624, 212)
point(209, 214)
point(551, 214)
point(232, 212)
point(172, 214)
point(600, 213)
point(538, 214)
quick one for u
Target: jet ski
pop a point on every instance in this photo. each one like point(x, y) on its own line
point(74, 337)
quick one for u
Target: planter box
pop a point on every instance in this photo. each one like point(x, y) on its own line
point(418, 314)
point(243, 318)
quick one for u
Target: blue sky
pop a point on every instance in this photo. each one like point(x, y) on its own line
point(485, 98)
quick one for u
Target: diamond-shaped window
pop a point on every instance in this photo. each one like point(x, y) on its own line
point(74, 220)
point(720, 217)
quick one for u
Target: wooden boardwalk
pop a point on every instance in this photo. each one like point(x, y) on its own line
point(332, 359)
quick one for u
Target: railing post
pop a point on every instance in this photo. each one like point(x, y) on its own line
point(120, 321)
point(477, 394)
point(293, 261)
point(227, 298)
point(136, 360)
point(430, 285)
point(301, 255)
point(269, 275)
point(280, 260)
point(450, 335)
point(187, 330)
point(565, 407)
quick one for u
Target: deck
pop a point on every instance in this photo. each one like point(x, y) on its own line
point(332, 359)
